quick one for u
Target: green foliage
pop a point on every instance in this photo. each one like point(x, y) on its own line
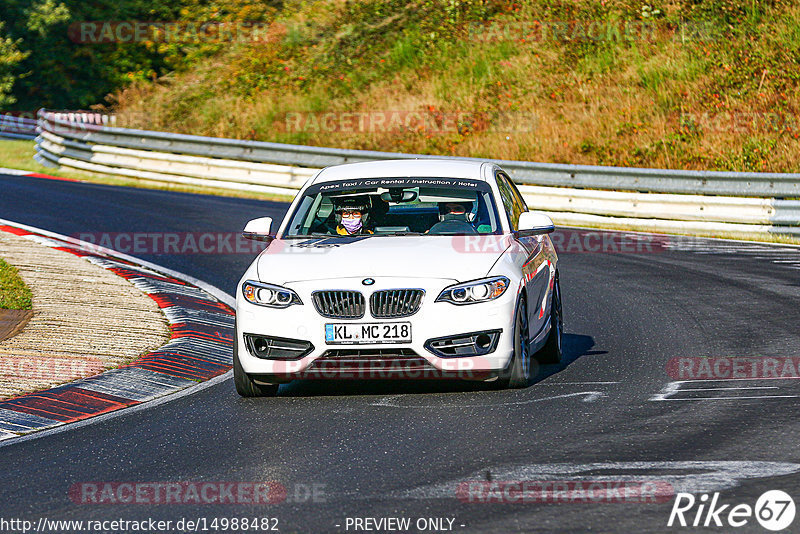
point(58, 71)
point(45, 14)
point(753, 156)
point(10, 58)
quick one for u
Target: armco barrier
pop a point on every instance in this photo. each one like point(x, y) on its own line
point(17, 127)
point(657, 199)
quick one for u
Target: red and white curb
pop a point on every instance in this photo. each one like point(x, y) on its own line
point(201, 322)
point(17, 172)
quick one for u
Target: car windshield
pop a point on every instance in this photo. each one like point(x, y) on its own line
point(395, 206)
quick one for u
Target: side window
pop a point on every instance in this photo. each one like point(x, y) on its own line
point(517, 195)
point(512, 201)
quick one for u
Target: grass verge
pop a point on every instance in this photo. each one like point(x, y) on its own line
point(19, 155)
point(14, 294)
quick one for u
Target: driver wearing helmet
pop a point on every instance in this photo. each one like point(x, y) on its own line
point(455, 211)
point(352, 216)
point(455, 217)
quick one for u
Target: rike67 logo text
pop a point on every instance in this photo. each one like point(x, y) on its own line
point(774, 510)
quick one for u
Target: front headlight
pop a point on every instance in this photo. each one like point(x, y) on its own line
point(475, 291)
point(269, 295)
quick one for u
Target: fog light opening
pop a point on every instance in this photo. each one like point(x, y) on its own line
point(277, 348)
point(483, 341)
point(471, 344)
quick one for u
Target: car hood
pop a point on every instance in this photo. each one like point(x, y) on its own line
point(457, 258)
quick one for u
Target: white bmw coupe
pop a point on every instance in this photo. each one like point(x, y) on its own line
point(400, 269)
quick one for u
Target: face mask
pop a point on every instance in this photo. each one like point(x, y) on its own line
point(352, 225)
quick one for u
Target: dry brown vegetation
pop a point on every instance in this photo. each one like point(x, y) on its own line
point(702, 85)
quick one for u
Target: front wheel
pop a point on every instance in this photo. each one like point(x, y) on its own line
point(518, 373)
point(552, 352)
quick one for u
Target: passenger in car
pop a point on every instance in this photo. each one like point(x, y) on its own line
point(454, 218)
point(454, 211)
point(352, 217)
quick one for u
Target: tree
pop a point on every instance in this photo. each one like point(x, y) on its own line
point(10, 58)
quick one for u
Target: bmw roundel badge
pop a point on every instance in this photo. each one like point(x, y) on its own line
point(368, 281)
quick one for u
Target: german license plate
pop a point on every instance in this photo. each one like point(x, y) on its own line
point(361, 333)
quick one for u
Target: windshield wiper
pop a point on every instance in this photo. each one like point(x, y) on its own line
point(308, 236)
point(399, 233)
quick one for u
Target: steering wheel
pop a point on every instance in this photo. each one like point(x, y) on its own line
point(452, 227)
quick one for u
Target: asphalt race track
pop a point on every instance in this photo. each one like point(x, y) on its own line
point(612, 411)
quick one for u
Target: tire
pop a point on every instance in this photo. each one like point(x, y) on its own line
point(245, 386)
point(552, 351)
point(518, 373)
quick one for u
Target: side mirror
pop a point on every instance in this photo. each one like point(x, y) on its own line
point(258, 229)
point(534, 223)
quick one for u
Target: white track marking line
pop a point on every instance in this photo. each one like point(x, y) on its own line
point(727, 389)
point(666, 391)
point(673, 388)
point(574, 383)
point(14, 172)
point(389, 402)
point(734, 398)
point(704, 380)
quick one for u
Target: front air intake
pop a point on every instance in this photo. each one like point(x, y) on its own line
point(472, 344)
point(276, 348)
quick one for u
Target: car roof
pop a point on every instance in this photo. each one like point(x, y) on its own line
point(439, 168)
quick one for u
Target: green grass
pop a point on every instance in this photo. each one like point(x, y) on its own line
point(14, 294)
point(19, 155)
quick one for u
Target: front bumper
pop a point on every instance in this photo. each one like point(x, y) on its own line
point(413, 360)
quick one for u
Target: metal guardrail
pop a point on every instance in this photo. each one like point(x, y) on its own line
point(560, 175)
point(667, 200)
point(14, 127)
